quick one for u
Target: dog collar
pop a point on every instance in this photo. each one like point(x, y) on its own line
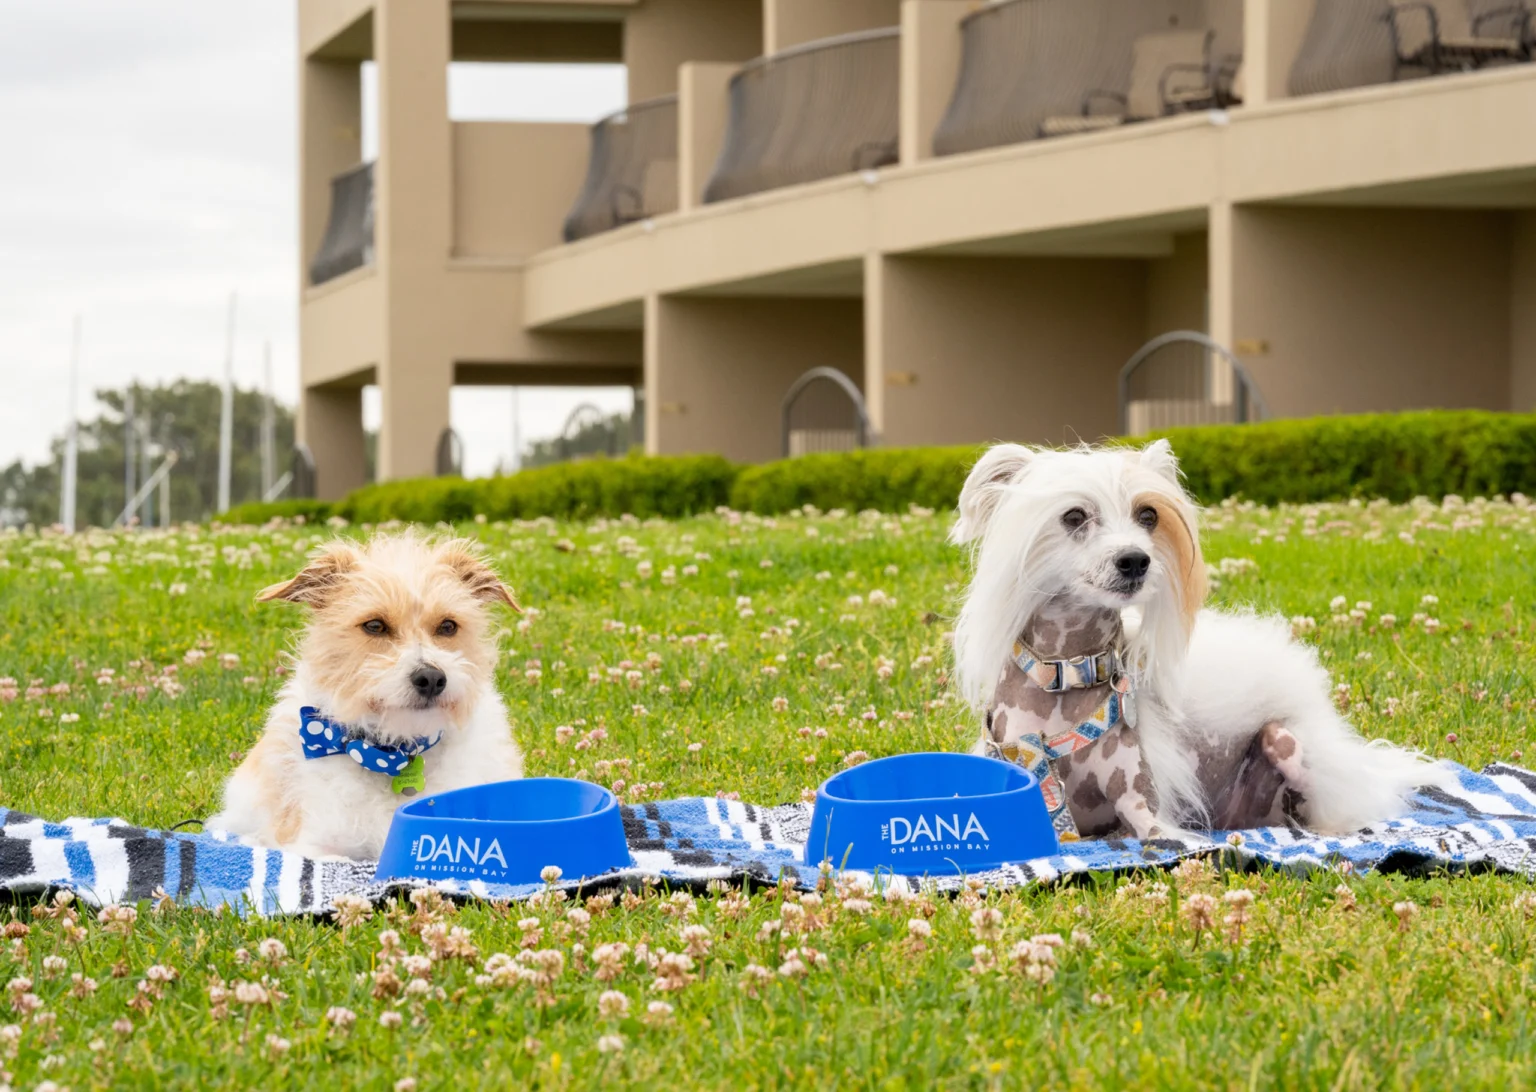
point(323, 737)
point(1105, 668)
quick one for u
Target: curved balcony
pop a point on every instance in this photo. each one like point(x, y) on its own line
point(825, 108)
point(1042, 68)
point(348, 240)
point(1357, 43)
point(632, 173)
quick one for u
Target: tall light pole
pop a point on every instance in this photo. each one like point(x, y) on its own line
point(71, 440)
point(517, 430)
point(145, 513)
point(165, 482)
point(227, 412)
point(268, 423)
point(130, 464)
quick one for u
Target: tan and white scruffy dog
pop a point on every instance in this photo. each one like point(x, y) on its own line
point(395, 670)
point(1083, 641)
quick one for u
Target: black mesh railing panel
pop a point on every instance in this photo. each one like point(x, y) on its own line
point(450, 454)
point(1348, 44)
point(1183, 379)
point(1357, 43)
point(348, 241)
point(824, 411)
point(818, 110)
point(1030, 67)
point(632, 173)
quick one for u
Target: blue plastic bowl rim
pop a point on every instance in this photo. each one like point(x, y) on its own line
point(1029, 781)
point(610, 803)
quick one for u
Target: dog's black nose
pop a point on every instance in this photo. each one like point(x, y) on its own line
point(428, 681)
point(1133, 564)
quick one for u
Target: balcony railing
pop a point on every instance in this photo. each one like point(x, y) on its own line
point(632, 174)
point(821, 109)
point(1040, 68)
point(1357, 43)
point(348, 241)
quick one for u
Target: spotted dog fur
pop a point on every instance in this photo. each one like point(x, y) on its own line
point(1108, 785)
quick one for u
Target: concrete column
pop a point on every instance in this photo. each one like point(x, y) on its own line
point(930, 65)
point(717, 370)
point(1372, 310)
point(1273, 31)
point(331, 424)
point(330, 141)
point(703, 110)
point(874, 342)
point(660, 35)
point(413, 230)
point(793, 22)
point(1522, 313)
point(1219, 259)
point(1026, 349)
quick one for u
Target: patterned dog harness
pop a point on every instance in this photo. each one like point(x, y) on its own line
point(323, 737)
point(1036, 752)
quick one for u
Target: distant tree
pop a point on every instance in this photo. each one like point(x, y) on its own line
point(609, 435)
point(183, 416)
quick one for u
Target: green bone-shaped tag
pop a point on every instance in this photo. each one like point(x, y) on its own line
point(412, 779)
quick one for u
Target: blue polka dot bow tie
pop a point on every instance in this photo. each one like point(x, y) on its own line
point(323, 737)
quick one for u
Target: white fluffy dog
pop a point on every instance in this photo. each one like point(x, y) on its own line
point(1083, 641)
point(394, 693)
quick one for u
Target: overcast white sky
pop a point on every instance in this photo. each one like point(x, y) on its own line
point(147, 169)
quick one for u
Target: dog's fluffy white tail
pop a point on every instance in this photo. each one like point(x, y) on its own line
point(1244, 670)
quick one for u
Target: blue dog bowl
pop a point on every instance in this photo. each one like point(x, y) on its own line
point(506, 832)
point(930, 813)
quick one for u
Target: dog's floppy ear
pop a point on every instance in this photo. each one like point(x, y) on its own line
point(314, 583)
point(465, 557)
point(984, 488)
point(1158, 456)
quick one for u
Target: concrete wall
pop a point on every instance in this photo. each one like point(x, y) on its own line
point(1273, 32)
point(1027, 349)
point(513, 185)
point(333, 421)
point(330, 141)
point(1176, 287)
point(661, 34)
point(717, 370)
point(1522, 311)
point(1373, 309)
point(792, 22)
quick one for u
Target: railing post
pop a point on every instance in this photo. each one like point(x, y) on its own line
point(930, 65)
point(703, 109)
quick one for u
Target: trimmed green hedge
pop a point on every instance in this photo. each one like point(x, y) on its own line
point(888, 479)
point(636, 485)
point(259, 512)
point(1396, 456)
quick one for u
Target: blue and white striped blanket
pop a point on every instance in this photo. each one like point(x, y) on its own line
point(1489, 822)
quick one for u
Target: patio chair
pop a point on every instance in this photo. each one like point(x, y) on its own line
point(1203, 87)
point(1436, 36)
point(1167, 70)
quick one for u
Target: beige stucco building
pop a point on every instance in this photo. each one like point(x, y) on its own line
point(978, 211)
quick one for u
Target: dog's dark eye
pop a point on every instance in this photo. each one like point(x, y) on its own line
point(1073, 518)
point(1147, 517)
point(447, 627)
point(375, 627)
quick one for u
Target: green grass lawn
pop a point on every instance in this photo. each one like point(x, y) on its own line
point(764, 653)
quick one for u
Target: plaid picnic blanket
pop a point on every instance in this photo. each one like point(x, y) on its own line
point(1488, 822)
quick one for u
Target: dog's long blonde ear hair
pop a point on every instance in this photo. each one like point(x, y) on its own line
point(467, 559)
point(316, 581)
point(984, 487)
